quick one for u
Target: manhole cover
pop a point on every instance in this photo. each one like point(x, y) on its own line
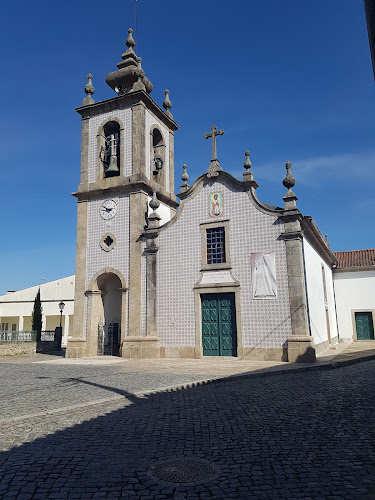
point(184, 470)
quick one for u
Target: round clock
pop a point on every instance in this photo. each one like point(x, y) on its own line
point(108, 209)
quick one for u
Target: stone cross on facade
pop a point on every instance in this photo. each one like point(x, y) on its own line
point(213, 134)
point(214, 168)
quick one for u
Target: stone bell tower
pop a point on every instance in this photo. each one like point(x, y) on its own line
point(127, 157)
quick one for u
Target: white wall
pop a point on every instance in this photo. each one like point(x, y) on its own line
point(163, 211)
point(355, 291)
point(315, 294)
point(20, 303)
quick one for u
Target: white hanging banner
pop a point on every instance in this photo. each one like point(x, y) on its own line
point(263, 266)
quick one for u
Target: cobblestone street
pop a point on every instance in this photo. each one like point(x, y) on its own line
point(89, 432)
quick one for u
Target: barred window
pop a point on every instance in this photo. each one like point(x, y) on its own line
point(215, 245)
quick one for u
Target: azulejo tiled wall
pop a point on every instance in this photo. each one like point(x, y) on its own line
point(265, 323)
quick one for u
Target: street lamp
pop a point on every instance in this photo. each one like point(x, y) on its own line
point(61, 306)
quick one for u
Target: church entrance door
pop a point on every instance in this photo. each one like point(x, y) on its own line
point(219, 324)
point(364, 326)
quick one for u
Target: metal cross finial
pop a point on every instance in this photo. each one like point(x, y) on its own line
point(213, 134)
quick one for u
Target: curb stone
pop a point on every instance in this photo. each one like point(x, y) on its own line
point(332, 365)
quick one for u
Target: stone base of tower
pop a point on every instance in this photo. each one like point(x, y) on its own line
point(76, 348)
point(140, 348)
point(301, 349)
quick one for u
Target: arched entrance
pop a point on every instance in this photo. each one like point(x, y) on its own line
point(106, 312)
point(109, 332)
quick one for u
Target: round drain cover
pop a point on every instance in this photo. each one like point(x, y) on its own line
point(184, 470)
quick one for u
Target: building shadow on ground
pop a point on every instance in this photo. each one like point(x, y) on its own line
point(304, 435)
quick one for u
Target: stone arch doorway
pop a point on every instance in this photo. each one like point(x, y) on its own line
point(106, 313)
point(109, 332)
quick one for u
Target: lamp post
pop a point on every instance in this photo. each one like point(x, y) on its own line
point(61, 306)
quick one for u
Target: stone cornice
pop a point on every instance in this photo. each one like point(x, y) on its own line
point(246, 186)
point(293, 235)
point(126, 101)
point(203, 180)
point(133, 184)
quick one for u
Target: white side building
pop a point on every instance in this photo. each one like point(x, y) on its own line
point(16, 307)
point(354, 282)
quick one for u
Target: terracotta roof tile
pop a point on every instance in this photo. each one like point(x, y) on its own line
point(356, 258)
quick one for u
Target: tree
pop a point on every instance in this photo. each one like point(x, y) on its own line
point(37, 316)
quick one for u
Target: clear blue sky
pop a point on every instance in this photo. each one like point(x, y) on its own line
point(288, 80)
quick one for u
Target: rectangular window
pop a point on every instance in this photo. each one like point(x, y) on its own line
point(215, 245)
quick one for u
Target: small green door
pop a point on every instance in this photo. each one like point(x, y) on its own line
point(364, 326)
point(219, 325)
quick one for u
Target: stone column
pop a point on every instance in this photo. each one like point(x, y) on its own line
point(134, 345)
point(76, 345)
point(124, 296)
point(94, 317)
point(66, 327)
point(171, 162)
point(151, 250)
point(300, 344)
point(138, 205)
point(139, 138)
point(20, 323)
point(84, 151)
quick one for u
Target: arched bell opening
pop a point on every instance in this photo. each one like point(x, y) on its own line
point(109, 330)
point(110, 150)
point(157, 156)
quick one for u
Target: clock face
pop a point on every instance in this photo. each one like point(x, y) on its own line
point(108, 209)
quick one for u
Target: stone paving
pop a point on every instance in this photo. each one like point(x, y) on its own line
point(93, 432)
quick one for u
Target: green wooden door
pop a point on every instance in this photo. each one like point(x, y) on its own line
point(219, 325)
point(364, 326)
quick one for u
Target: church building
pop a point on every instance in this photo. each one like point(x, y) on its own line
point(219, 274)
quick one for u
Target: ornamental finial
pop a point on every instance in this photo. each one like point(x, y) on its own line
point(129, 77)
point(167, 103)
point(89, 90)
point(290, 198)
point(130, 42)
point(185, 177)
point(289, 180)
point(247, 165)
point(154, 203)
point(248, 175)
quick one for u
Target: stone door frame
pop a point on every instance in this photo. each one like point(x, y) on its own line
point(200, 290)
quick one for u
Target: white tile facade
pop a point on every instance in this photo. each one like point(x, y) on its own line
point(150, 121)
point(265, 323)
point(125, 115)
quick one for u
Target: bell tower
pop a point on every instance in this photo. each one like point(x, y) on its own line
point(127, 157)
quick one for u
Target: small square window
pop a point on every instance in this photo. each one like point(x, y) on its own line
point(215, 245)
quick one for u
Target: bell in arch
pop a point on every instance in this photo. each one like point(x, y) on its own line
point(112, 169)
